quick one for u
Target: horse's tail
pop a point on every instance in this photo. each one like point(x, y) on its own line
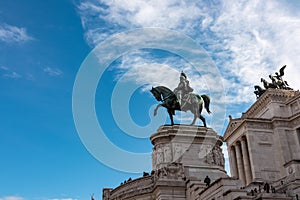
point(206, 102)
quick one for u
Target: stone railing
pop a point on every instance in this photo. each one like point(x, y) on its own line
point(132, 188)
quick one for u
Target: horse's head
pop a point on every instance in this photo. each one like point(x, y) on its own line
point(156, 94)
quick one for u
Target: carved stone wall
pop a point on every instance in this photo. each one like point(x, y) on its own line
point(196, 148)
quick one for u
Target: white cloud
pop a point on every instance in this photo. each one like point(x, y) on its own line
point(53, 71)
point(9, 34)
point(141, 68)
point(259, 37)
point(8, 73)
point(4, 68)
point(11, 198)
point(118, 15)
point(13, 75)
point(246, 39)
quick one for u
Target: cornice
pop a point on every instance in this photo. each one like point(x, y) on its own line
point(271, 95)
point(249, 123)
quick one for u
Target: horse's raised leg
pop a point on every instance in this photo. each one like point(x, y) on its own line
point(203, 120)
point(171, 116)
point(155, 110)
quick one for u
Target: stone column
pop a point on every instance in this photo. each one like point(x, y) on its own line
point(233, 163)
point(247, 168)
point(240, 163)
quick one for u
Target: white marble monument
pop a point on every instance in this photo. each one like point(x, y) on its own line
point(263, 146)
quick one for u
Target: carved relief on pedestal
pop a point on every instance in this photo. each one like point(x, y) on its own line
point(171, 171)
point(179, 150)
point(215, 157)
point(204, 150)
point(167, 153)
point(162, 154)
point(209, 158)
point(157, 156)
point(154, 160)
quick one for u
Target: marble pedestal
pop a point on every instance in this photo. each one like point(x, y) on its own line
point(197, 149)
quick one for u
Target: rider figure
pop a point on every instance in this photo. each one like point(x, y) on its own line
point(282, 83)
point(182, 90)
point(274, 82)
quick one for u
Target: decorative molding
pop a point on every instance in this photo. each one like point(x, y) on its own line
point(258, 124)
point(249, 123)
point(295, 123)
point(271, 95)
point(232, 126)
point(263, 137)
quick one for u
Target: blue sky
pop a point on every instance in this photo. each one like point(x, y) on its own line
point(45, 46)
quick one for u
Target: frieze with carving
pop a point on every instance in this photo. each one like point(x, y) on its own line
point(259, 125)
point(179, 150)
point(281, 123)
point(215, 157)
point(173, 171)
point(204, 149)
point(167, 153)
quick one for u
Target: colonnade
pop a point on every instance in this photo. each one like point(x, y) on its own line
point(240, 162)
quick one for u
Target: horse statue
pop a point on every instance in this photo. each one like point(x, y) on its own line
point(277, 83)
point(258, 91)
point(170, 102)
point(267, 84)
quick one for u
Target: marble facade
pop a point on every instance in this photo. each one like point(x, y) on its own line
point(263, 146)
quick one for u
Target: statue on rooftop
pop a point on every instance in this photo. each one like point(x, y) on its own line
point(258, 91)
point(277, 82)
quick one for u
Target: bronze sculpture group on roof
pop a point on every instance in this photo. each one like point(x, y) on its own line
point(277, 82)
